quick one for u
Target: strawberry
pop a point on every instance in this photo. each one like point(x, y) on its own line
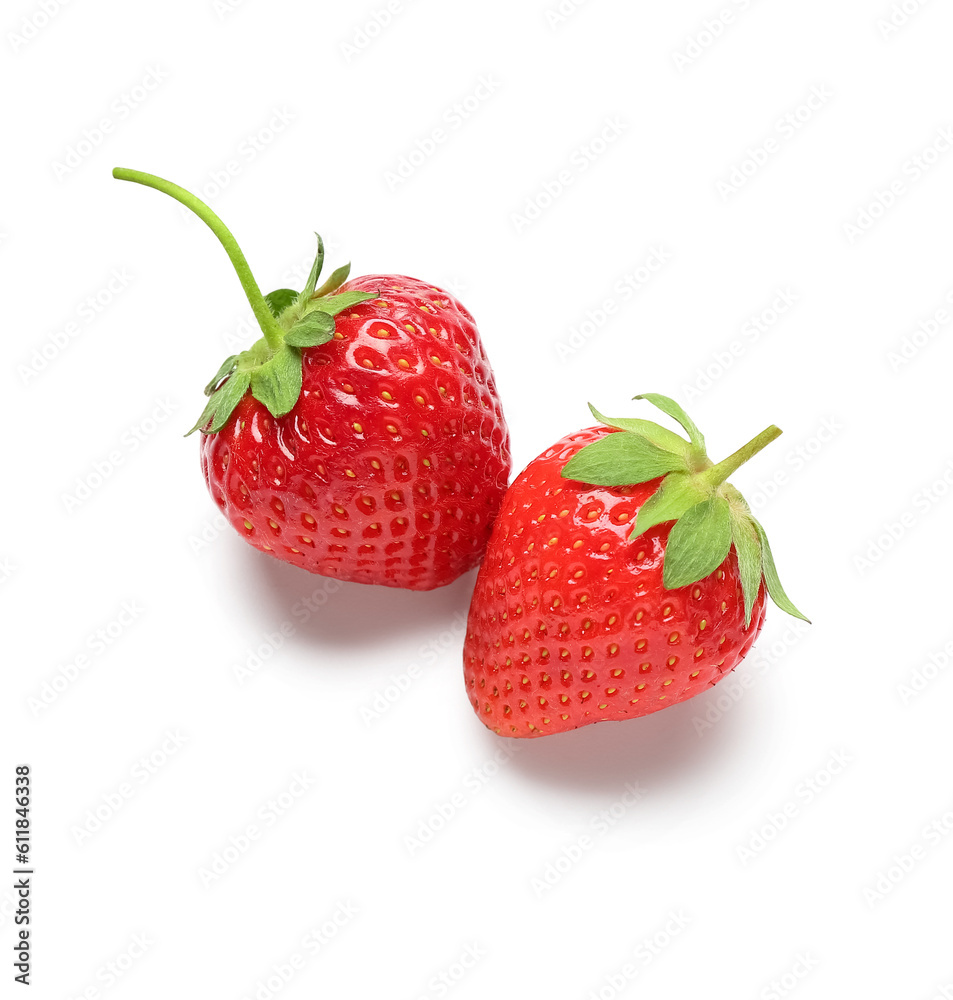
point(361, 437)
point(624, 574)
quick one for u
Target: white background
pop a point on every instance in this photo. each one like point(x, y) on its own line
point(798, 819)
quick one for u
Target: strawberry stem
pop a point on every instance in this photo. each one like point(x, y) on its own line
point(717, 474)
point(269, 326)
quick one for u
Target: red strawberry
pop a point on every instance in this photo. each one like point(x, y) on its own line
point(362, 436)
point(615, 599)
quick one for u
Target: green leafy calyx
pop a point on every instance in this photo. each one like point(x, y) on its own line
point(711, 518)
point(290, 321)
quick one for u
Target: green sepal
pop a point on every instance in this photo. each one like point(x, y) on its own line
point(315, 329)
point(228, 366)
point(335, 304)
point(277, 382)
point(279, 300)
point(621, 460)
point(748, 545)
point(709, 516)
point(672, 409)
point(333, 283)
point(660, 436)
point(677, 494)
point(274, 374)
point(221, 404)
point(308, 289)
point(771, 580)
point(698, 543)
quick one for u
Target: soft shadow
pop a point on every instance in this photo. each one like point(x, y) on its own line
point(659, 750)
point(327, 612)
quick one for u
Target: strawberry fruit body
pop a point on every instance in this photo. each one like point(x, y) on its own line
point(623, 575)
point(362, 437)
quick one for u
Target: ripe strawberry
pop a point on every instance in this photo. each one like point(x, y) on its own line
point(362, 436)
point(623, 575)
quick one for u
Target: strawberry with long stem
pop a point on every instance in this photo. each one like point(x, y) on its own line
point(362, 436)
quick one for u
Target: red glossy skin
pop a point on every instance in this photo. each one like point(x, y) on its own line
point(570, 623)
point(392, 465)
